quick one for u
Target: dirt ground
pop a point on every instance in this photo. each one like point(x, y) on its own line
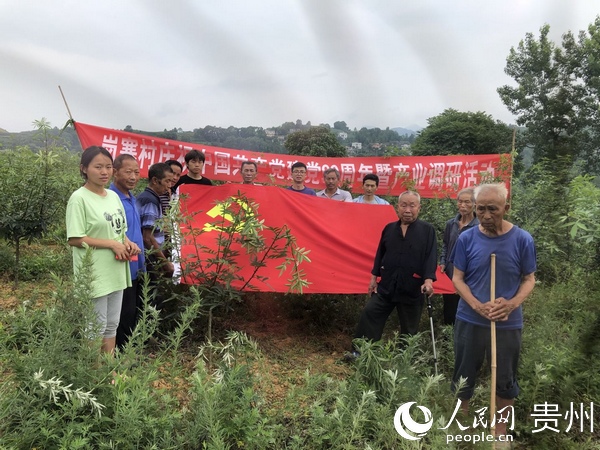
point(289, 345)
point(26, 291)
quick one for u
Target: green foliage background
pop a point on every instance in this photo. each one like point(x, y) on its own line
point(453, 132)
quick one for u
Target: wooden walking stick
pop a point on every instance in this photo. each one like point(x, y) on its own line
point(493, 349)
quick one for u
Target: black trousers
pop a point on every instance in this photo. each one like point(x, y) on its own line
point(376, 312)
point(450, 307)
point(132, 304)
point(158, 277)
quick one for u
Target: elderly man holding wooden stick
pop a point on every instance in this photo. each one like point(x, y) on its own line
point(515, 263)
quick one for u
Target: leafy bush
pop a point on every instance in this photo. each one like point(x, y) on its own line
point(559, 359)
point(215, 271)
point(358, 412)
point(225, 411)
point(38, 261)
point(563, 220)
point(57, 393)
point(7, 258)
point(39, 265)
point(34, 204)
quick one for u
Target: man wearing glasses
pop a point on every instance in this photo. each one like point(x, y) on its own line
point(299, 172)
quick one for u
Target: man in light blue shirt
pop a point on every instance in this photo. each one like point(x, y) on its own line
point(370, 185)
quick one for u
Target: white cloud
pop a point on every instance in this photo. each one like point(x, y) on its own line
point(155, 65)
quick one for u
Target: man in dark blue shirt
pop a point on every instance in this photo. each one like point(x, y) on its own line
point(126, 174)
point(299, 171)
point(148, 203)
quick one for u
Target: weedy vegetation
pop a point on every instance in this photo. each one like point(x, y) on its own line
point(192, 378)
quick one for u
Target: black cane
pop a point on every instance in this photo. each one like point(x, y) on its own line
point(430, 312)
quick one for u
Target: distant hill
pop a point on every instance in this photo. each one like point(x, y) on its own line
point(373, 140)
point(402, 131)
point(63, 138)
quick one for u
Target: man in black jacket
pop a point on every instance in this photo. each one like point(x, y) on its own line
point(405, 263)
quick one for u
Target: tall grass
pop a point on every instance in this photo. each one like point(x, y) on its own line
point(56, 391)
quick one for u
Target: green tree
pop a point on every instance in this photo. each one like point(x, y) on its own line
point(453, 132)
point(34, 188)
point(167, 134)
point(285, 128)
point(315, 141)
point(584, 56)
point(556, 97)
point(341, 125)
point(368, 136)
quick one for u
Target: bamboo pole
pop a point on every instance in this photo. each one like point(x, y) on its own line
point(493, 350)
point(65, 100)
point(513, 156)
point(71, 121)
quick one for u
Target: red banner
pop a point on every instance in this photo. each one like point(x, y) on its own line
point(432, 176)
point(341, 238)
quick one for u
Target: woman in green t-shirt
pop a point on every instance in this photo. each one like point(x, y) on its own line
point(96, 221)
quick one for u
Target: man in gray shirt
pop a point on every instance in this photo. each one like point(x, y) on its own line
point(332, 191)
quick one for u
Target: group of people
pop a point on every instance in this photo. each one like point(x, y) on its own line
point(119, 227)
point(123, 233)
point(332, 190)
point(404, 270)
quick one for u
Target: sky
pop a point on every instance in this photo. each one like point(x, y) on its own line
point(156, 64)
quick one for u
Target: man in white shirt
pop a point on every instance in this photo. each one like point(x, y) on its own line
point(332, 191)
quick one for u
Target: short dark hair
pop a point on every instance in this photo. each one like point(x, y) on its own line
point(194, 155)
point(119, 160)
point(372, 177)
point(88, 155)
point(159, 170)
point(174, 162)
point(299, 164)
point(249, 163)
